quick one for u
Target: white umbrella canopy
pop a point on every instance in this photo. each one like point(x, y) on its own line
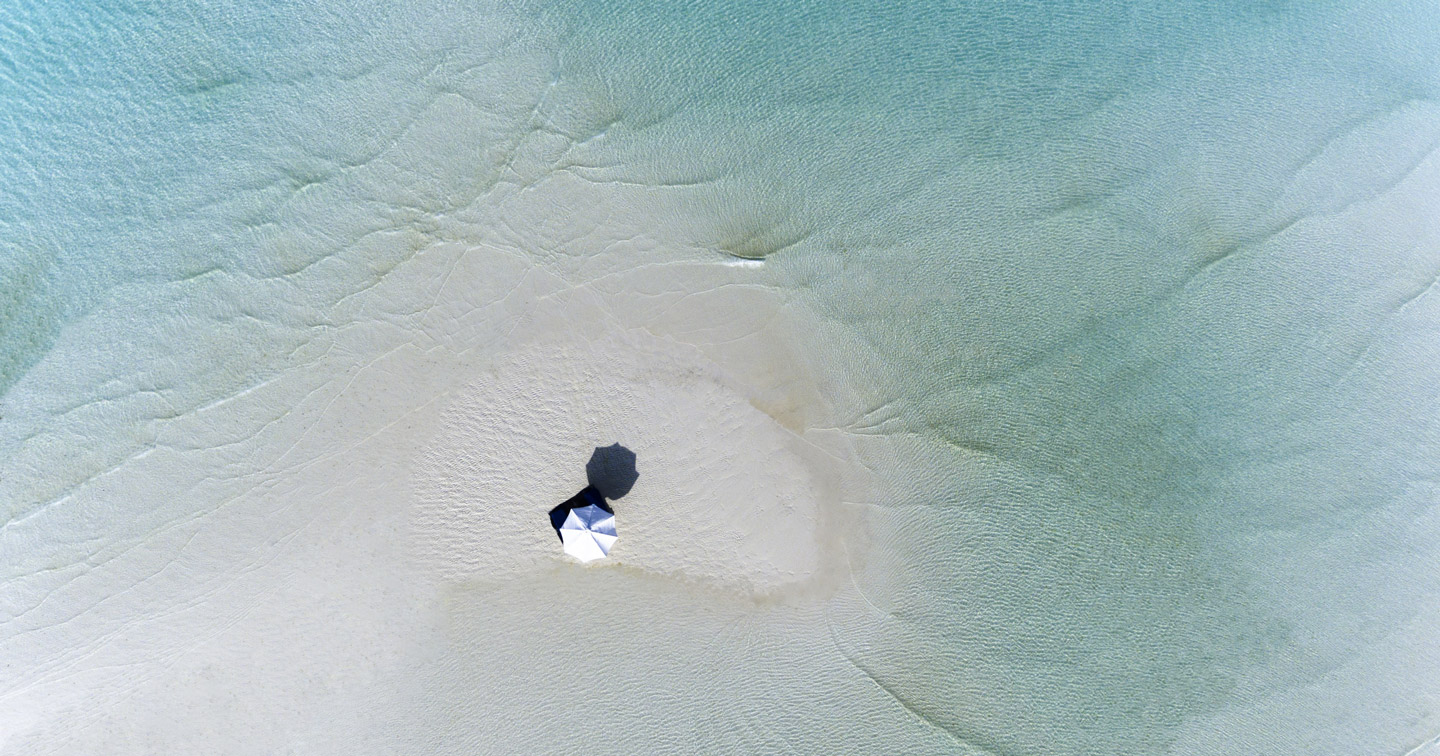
point(588, 533)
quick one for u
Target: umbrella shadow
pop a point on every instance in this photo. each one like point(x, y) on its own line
point(610, 472)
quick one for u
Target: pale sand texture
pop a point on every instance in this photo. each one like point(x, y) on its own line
point(725, 492)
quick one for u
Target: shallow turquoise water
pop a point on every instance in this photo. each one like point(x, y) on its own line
point(1146, 297)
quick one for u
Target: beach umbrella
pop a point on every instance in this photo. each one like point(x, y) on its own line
point(588, 532)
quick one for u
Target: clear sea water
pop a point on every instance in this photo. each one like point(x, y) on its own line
point(1132, 306)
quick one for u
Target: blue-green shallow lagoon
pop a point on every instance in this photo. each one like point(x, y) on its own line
point(1127, 314)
